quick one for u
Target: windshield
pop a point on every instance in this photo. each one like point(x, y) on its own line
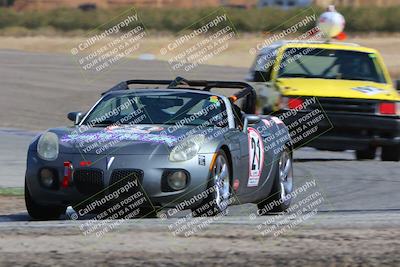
point(158, 108)
point(330, 64)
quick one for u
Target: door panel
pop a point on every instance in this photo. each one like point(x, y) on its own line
point(253, 167)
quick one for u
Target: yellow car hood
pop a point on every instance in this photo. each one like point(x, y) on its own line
point(336, 88)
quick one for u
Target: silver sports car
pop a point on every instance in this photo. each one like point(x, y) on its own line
point(167, 144)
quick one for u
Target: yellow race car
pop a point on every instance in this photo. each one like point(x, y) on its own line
point(332, 96)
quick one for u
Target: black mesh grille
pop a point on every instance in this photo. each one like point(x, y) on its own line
point(345, 105)
point(88, 181)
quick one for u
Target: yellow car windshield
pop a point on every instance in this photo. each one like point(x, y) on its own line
point(330, 64)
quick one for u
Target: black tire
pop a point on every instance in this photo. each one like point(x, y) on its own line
point(269, 205)
point(209, 206)
point(390, 153)
point(368, 153)
point(41, 212)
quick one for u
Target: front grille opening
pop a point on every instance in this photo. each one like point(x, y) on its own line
point(128, 178)
point(88, 181)
point(123, 176)
point(345, 105)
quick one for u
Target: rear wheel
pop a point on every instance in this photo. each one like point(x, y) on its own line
point(217, 200)
point(368, 153)
point(278, 200)
point(390, 153)
point(41, 212)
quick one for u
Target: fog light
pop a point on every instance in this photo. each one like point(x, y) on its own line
point(177, 180)
point(47, 178)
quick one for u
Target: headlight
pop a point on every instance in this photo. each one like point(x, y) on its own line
point(187, 148)
point(47, 146)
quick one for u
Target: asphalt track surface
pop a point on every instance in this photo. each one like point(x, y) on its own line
point(361, 198)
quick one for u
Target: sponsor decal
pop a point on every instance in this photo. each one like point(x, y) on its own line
point(135, 128)
point(256, 156)
point(214, 99)
point(118, 135)
point(202, 160)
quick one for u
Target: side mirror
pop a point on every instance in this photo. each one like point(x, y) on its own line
point(398, 85)
point(250, 119)
point(75, 116)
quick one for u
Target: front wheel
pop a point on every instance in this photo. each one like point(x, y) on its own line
point(390, 153)
point(218, 188)
point(278, 200)
point(41, 212)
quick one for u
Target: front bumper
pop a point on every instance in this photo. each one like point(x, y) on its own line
point(342, 131)
point(152, 168)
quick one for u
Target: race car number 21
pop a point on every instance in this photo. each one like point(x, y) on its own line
point(256, 156)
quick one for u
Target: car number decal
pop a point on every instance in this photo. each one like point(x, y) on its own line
point(256, 156)
point(368, 90)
